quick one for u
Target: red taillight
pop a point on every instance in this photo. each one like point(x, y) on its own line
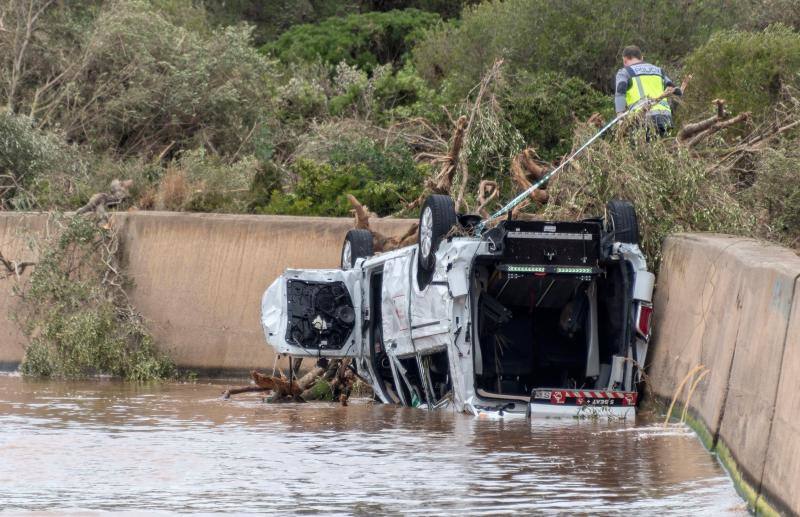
point(643, 321)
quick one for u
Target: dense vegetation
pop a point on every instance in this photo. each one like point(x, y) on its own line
point(283, 107)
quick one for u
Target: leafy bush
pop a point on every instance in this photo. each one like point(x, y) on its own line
point(76, 315)
point(776, 192)
point(197, 182)
point(381, 179)
point(272, 17)
point(137, 83)
point(581, 38)
point(363, 40)
point(27, 156)
point(747, 69)
point(543, 106)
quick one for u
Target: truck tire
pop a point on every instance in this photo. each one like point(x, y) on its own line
point(437, 217)
point(357, 244)
point(621, 221)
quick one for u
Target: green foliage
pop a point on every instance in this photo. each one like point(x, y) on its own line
point(543, 106)
point(26, 153)
point(75, 312)
point(379, 178)
point(747, 69)
point(581, 38)
point(272, 17)
point(363, 40)
point(137, 83)
point(776, 192)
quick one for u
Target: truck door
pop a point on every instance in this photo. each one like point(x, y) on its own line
point(313, 313)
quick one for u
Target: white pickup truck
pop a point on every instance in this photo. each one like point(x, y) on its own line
point(528, 318)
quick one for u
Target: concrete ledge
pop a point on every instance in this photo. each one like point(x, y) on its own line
point(731, 304)
point(198, 278)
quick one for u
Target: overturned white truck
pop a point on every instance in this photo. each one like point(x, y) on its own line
point(533, 318)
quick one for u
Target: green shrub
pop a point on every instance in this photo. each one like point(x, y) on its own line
point(776, 192)
point(363, 40)
point(27, 156)
point(581, 38)
point(747, 69)
point(139, 84)
point(381, 179)
point(75, 313)
point(272, 17)
point(199, 182)
point(543, 107)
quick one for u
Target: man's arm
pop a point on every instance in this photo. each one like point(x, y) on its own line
point(621, 84)
point(669, 84)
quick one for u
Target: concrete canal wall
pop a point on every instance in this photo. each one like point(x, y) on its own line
point(730, 304)
point(198, 278)
point(733, 305)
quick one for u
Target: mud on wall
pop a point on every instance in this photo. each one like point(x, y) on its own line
point(733, 305)
point(198, 278)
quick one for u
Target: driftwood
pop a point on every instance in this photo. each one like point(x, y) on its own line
point(488, 191)
point(119, 192)
point(337, 376)
point(718, 126)
point(690, 130)
point(525, 170)
point(14, 267)
point(380, 242)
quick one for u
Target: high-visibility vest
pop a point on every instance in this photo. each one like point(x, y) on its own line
point(648, 85)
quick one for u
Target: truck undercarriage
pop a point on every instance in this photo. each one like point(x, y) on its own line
point(531, 317)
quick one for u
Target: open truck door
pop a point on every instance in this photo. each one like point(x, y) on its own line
point(314, 313)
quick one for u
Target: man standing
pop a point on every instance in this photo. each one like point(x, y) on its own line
point(638, 81)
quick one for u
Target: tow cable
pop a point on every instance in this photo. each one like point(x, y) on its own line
point(480, 227)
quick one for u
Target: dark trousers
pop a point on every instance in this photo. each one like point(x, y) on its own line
point(657, 125)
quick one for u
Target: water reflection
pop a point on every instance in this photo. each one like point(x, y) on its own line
point(177, 447)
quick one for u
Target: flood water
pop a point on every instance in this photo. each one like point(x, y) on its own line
point(101, 446)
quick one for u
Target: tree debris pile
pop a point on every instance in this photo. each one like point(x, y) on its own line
point(710, 176)
point(328, 380)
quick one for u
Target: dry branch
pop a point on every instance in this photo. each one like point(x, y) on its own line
point(120, 191)
point(13, 267)
point(717, 127)
point(380, 242)
point(525, 170)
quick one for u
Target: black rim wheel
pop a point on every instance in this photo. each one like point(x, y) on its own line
point(357, 244)
point(621, 221)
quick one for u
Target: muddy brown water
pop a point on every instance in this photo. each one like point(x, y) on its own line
point(102, 446)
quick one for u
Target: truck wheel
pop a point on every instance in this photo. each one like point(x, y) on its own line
point(357, 244)
point(621, 221)
point(437, 217)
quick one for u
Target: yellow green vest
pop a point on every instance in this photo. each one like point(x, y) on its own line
point(650, 86)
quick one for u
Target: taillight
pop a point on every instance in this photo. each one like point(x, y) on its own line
point(643, 319)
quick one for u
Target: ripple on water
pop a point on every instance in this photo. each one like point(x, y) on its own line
point(102, 446)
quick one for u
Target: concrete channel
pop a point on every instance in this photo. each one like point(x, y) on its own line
point(730, 304)
point(733, 305)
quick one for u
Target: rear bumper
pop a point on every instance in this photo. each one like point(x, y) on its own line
point(548, 403)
